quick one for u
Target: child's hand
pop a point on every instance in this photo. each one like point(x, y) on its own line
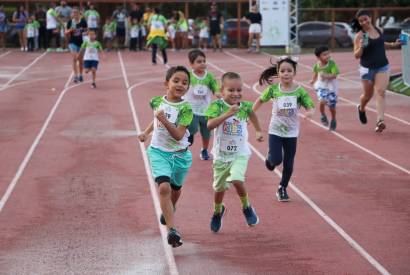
point(233, 110)
point(160, 115)
point(309, 114)
point(311, 82)
point(142, 137)
point(259, 136)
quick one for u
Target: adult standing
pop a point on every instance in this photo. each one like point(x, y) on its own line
point(52, 24)
point(215, 25)
point(76, 26)
point(181, 31)
point(3, 28)
point(40, 14)
point(64, 13)
point(137, 14)
point(120, 17)
point(369, 47)
point(93, 17)
point(254, 19)
point(20, 18)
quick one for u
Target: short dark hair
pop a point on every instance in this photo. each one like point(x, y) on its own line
point(319, 50)
point(193, 55)
point(171, 71)
point(230, 75)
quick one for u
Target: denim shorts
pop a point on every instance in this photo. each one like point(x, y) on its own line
point(88, 64)
point(330, 97)
point(370, 74)
point(74, 48)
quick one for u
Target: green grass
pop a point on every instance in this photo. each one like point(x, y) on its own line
point(399, 87)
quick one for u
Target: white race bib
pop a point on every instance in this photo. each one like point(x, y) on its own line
point(230, 145)
point(135, 32)
point(200, 90)
point(92, 21)
point(232, 135)
point(108, 34)
point(287, 102)
point(91, 54)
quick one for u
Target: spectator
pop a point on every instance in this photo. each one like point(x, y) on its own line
point(203, 33)
point(40, 14)
point(53, 32)
point(254, 19)
point(109, 33)
point(182, 31)
point(30, 33)
point(3, 26)
point(120, 16)
point(64, 13)
point(215, 25)
point(137, 14)
point(20, 17)
point(93, 17)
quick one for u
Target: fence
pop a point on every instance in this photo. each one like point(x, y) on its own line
point(405, 53)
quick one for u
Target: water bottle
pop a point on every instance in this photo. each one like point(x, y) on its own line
point(403, 39)
point(365, 40)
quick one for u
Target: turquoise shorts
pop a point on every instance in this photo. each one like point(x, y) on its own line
point(169, 167)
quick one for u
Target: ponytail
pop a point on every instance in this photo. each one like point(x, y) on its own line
point(266, 75)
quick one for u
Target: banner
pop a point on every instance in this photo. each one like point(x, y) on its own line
point(275, 22)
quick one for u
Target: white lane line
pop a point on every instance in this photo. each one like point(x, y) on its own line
point(168, 251)
point(344, 78)
point(329, 220)
point(4, 86)
point(401, 168)
point(317, 209)
point(33, 146)
point(4, 54)
point(311, 88)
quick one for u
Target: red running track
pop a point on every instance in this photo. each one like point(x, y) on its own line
point(82, 204)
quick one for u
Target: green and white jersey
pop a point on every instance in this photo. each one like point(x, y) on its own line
point(330, 68)
point(200, 92)
point(51, 19)
point(91, 50)
point(30, 30)
point(157, 22)
point(109, 29)
point(284, 121)
point(134, 31)
point(231, 136)
point(92, 17)
point(178, 114)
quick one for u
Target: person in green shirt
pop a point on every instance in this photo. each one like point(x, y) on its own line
point(93, 18)
point(90, 50)
point(325, 72)
point(157, 36)
point(229, 117)
point(287, 97)
point(109, 33)
point(30, 33)
point(168, 152)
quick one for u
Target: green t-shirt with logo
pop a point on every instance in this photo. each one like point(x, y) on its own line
point(231, 136)
point(330, 68)
point(179, 113)
point(200, 92)
point(91, 50)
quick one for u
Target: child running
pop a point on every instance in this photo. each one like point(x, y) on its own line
point(91, 59)
point(287, 97)
point(199, 95)
point(168, 153)
point(229, 117)
point(325, 72)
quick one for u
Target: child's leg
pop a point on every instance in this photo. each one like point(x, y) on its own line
point(154, 53)
point(333, 112)
point(94, 71)
point(289, 149)
point(322, 107)
point(175, 194)
point(74, 63)
point(164, 55)
point(274, 157)
point(193, 128)
point(80, 63)
point(166, 203)
point(243, 195)
point(205, 133)
point(218, 198)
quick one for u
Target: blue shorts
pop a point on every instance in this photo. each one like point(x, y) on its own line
point(74, 48)
point(330, 97)
point(173, 166)
point(201, 123)
point(3, 27)
point(370, 74)
point(89, 64)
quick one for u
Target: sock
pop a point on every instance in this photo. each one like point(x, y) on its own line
point(245, 201)
point(218, 207)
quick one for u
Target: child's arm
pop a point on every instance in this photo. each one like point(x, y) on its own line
point(215, 122)
point(314, 78)
point(257, 104)
point(143, 136)
point(177, 132)
point(255, 121)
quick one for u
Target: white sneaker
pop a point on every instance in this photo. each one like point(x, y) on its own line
point(22, 49)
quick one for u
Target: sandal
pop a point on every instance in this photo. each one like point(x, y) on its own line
point(380, 126)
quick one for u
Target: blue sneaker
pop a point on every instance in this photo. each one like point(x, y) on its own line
point(174, 238)
point(216, 220)
point(333, 125)
point(251, 218)
point(80, 78)
point(204, 155)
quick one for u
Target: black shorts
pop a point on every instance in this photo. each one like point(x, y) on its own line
point(120, 32)
point(215, 31)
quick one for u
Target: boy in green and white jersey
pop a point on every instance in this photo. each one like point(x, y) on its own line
point(91, 49)
point(168, 152)
point(229, 117)
point(199, 95)
point(30, 30)
point(93, 18)
point(109, 32)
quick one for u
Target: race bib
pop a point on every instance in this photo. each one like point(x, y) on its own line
point(232, 135)
point(107, 34)
point(200, 90)
point(91, 54)
point(230, 145)
point(134, 32)
point(92, 21)
point(30, 32)
point(287, 102)
point(157, 25)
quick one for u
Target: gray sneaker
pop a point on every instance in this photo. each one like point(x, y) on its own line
point(324, 120)
point(333, 125)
